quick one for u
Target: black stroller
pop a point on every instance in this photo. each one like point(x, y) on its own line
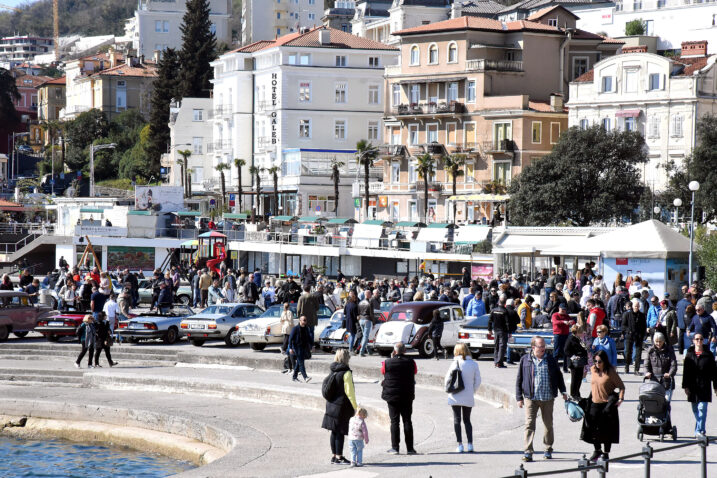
point(653, 412)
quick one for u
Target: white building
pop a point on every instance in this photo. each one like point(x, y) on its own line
point(156, 24)
point(190, 129)
point(269, 19)
point(21, 49)
point(303, 100)
point(377, 20)
point(661, 97)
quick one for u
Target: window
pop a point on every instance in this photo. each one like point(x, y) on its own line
point(305, 128)
point(470, 135)
point(637, 5)
point(654, 81)
point(292, 59)
point(304, 91)
point(312, 16)
point(553, 22)
point(630, 124)
point(415, 93)
point(470, 172)
point(452, 53)
point(197, 145)
point(580, 66)
point(607, 84)
point(373, 130)
point(650, 26)
point(197, 174)
point(607, 124)
point(631, 81)
point(676, 126)
point(501, 172)
point(305, 59)
point(412, 173)
point(373, 98)
point(320, 204)
point(432, 133)
point(413, 134)
point(197, 115)
point(537, 132)
point(373, 62)
point(340, 130)
point(345, 27)
point(395, 135)
point(554, 132)
point(415, 54)
point(121, 102)
point(396, 94)
point(395, 172)
point(433, 54)
point(453, 91)
point(471, 91)
point(340, 60)
point(340, 96)
point(584, 124)
point(653, 129)
point(451, 135)
point(161, 26)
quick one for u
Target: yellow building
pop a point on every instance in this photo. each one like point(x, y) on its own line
point(50, 101)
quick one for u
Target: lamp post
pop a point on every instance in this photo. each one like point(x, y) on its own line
point(15, 163)
point(656, 210)
point(694, 187)
point(677, 203)
point(93, 148)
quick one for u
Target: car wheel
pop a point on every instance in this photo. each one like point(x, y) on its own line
point(20, 334)
point(183, 300)
point(384, 352)
point(233, 339)
point(171, 336)
point(427, 347)
point(53, 338)
point(257, 346)
point(4, 333)
point(197, 342)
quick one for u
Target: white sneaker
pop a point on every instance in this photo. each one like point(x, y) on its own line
point(77, 365)
point(460, 448)
point(470, 448)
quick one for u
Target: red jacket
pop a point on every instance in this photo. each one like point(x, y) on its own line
point(599, 319)
point(561, 323)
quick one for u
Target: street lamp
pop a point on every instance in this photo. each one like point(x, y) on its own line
point(657, 211)
point(677, 203)
point(694, 186)
point(93, 148)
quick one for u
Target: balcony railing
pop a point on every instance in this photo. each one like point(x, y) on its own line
point(220, 111)
point(430, 108)
point(500, 146)
point(432, 187)
point(434, 148)
point(374, 187)
point(219, 146)
point(494, 65)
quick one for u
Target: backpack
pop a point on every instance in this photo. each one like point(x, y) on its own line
point(328, 387)
point(620, 306)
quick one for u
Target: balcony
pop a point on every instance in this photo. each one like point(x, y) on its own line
point(434, 148)
point(467, 147)
point(220, 111)
point(392, 70)
point(374, 187)
point(392, 151)
point(453, 107)
point(494, 65)
point(499, 146)
point(218, 146)
point(433, 187)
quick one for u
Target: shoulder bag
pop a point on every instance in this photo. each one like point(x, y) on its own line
point(455, 384)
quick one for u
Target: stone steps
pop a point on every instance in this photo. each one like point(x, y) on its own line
point(10, 348)
point(46, 378)
point(125, 353)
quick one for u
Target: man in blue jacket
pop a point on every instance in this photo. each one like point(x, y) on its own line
point(680, 309)
point(536, 386)
point(476, 307)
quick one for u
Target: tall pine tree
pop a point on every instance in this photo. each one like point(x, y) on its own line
point(165, 88)
point(198, 49)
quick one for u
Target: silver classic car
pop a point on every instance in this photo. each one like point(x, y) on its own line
point(218, 322)
point(154, 325)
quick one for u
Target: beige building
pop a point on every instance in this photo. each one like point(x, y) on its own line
point(50, 101)
point(482, 88)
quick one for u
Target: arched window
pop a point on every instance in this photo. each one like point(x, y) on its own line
point(433, 54)
point(415, 55)
point(452, 53)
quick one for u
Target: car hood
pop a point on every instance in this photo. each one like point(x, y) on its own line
point(395, 331)
point(205, 317)
point(261, 322)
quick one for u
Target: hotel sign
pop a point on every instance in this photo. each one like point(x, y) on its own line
point(274, 104)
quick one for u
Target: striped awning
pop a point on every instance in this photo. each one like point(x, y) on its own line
point(480, 197)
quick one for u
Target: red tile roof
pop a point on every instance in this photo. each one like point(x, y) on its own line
point(692, 65)
point(147, 69)
point(479, 23)
point(543, 107)
point(34, 81)
point(541, 13)
point(55, 81)
point(338, 39)
point(586, 77)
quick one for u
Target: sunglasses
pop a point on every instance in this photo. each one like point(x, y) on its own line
point(598, 361)
point(698, 340)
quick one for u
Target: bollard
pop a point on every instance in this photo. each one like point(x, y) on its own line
point(582, 463)
point(647, 455)
point(521, 472)
point(703, 441)
point(602, 471)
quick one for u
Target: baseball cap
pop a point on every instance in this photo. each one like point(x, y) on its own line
point(562, 306)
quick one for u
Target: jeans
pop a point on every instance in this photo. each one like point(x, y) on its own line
point(466, 412)
point(531, 415)
point(99, 349)
point(356, 449)
point(681, 338)
point(311, 334)
point(299, 364)
point(403, 410)
point(135, 298)
point(548, 290)
point(559, 349)
point(633, 349)
point(501, 344)
point(352, 339)
point(700, 411)
point(337, 443)
point(196, 297)
point(366, 326)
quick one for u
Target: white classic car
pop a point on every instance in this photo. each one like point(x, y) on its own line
point(266, 329)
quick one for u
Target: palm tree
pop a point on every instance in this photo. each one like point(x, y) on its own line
point(184, 164)
point(188, 181)
point(274, 171)
point(221, 167)
point(426, 168)
point(239, 164)
point(336, 166)
point(453, 164)
point(366, 154)
point(256, 171)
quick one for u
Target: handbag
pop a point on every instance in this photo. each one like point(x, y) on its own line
point(578, 361)
point(455, 384)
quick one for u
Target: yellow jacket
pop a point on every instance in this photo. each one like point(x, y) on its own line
point(525, 312)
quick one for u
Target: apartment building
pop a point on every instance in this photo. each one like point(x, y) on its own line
point(270, 19)
point(661, 97)
point(21, 49)
point(378, 20)
point(27, 105)
point(50, 101)
point(298, 103)
point(156, 24)
point(482, 88)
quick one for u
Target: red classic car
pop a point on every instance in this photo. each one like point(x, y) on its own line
point(59, 325)
point(18, 315)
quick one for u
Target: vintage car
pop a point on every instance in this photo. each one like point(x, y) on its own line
point(266, 329)
point(63, 324)
point(144, 287)
point(154, 325)
point(474, 333)
point(408, 323)
point(18, 315)
point(335, 336)
point(218, 322)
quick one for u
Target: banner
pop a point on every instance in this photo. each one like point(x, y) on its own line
point(482, 271)
point(159, 198)
point(133, 258)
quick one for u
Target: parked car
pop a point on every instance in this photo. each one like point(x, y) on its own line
point(18, 315)
point(266, 329)
point(144, 287)
point(474, 333)
point(59, 325)
point(155, 325)
point(408, 323)
point(335, 335)
point(218, 322)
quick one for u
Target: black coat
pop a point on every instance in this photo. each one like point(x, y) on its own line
point(399, 380)
point(300, 341)
point(351, 316)
point(604, 425)
point(634, 324)
point(339, 410)
point(699, 375)
point(574, 346)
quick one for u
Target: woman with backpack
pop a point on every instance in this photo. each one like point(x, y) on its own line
point(462, 399)
point(338, 390)
point(84, 332)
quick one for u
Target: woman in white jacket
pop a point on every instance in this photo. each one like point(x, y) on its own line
point(462, 402)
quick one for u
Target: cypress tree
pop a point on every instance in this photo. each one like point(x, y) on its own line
point(165, 88)
point(198, 49)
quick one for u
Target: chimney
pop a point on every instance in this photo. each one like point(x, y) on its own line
point(141, 59)
point(325, 37)
point(156, 56)
point(128, 60)
point(691, 49)
point(635, 49)
point(113, 57)
point(556, 102)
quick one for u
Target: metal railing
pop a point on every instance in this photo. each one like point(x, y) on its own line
point(503, 145)
point(495, 65)
point(603, 466)
point(32, 231)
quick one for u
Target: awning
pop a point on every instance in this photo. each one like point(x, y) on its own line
point(212, 234)
point(480, 197)
point(189, 213)
point(283, 218)
point(628, 113)
point(431, 80)
point(471, 234)
point(366, 235)
point(410, 224)
point(190, 243)
point(231, 215)
point(311, 219)
point(342, 220)
point(377, 222)
point(91, 210)
point(137, 212)
point(432, 234)
point(441, 225)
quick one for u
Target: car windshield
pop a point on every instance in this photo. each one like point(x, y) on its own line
point(478, 323)
point(402, 315)
point(275, 310)
point(386, 306)
point(337, 318)
point(217, 309)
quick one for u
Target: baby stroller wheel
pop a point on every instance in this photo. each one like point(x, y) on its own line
point(662, 437)
point(674, 433)
point(639, 435)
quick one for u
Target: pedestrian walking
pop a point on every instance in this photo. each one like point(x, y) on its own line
point(601, 426)
point(103, 340)
point(366, 321)
point(287, 325)
point(538, 382)
point(606, 343)
point(351, 318)
point(498, 327)
point(205, 281)
point(561, 331)
point(340, 404)
point(699, 376)
point(300, 347)
point(661, 364)
point(85, 333)
point(435, 331)
point(634, 328)
point(358, 436)
point(576, 353)
point(399, 391)
point(463, 401)
point(309, 308)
